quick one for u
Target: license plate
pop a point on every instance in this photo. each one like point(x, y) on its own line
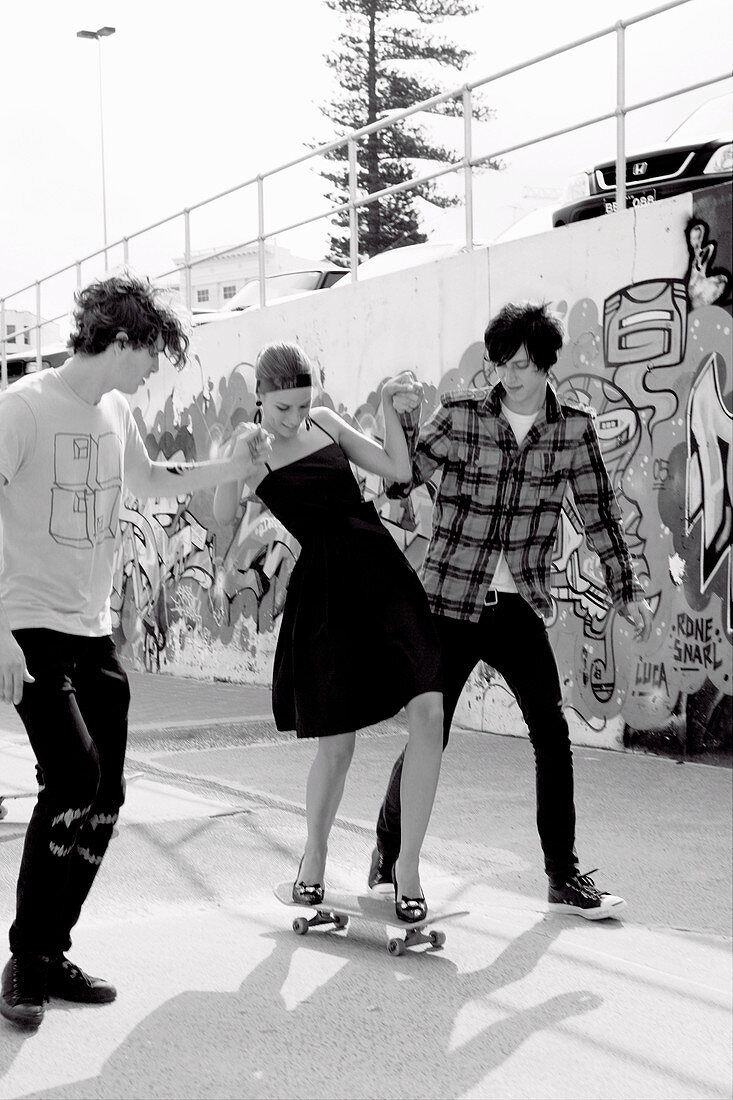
point(638, 198)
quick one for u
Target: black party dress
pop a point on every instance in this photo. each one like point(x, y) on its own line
point(357, 640)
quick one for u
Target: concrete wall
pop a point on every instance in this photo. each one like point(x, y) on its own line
point(646, 300)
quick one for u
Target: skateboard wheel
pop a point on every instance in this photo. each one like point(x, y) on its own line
point(3, 810)
point(300, 925)
point(396, 947)
point(340, 921)
point(437, 939)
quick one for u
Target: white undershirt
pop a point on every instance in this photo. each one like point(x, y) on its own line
point(520, 423)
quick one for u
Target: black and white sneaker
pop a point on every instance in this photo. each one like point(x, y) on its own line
point(69, 982)
point(580, 895)
point(380, 873)
point(24, 990)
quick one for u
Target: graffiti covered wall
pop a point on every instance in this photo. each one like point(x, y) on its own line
point(646, 301)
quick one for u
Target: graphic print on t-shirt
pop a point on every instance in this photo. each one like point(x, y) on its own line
point(87, 486)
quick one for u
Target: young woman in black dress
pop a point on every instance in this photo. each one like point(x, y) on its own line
point(356, 641)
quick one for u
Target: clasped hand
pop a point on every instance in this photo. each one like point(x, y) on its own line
point(403, 391)
point(250, 446)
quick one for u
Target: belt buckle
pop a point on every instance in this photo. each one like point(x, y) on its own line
point(491, 598)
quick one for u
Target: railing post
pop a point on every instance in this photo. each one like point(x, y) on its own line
point(125, 251)
point(620, 116)
point(353, 214)
point(261, 238)
point(3, 349)
point(187, 291)
point(467, 170)
point(78, 274)
point(39, 357)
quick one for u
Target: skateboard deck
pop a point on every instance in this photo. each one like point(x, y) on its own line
point(337, 909)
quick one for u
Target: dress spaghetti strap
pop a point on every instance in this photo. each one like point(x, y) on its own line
point(323, 430)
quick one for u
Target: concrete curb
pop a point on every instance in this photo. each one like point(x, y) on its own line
point(221, 732)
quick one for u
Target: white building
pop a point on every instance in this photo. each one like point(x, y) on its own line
point(14, 333)
point(215, 281)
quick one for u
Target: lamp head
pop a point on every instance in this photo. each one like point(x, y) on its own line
point(103, 32)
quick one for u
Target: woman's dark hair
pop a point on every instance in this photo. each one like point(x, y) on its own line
point(529, 326)
point(278, 366)
point(127, 303)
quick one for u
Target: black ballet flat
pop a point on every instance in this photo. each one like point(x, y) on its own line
point(409, 910)
point(304, 894)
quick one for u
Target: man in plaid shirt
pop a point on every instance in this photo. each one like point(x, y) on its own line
point(507, 457)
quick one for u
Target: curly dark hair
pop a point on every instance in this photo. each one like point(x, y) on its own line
point(526, 325)
point(127, 303)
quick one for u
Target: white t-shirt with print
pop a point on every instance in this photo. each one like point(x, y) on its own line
point(65, 463)
point(520, 423)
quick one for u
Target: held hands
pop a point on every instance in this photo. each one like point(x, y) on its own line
point(250, 446)
point(403, 391)
point(640, 616)
point(13, 670)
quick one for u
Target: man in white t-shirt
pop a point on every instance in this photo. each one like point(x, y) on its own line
point(507, 456)
point(69, 450)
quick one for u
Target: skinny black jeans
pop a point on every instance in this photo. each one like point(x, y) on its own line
point(75, 715)
point(511, 638)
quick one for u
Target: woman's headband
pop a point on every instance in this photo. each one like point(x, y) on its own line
point(268, 385)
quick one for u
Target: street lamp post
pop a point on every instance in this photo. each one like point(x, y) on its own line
point(97, 36)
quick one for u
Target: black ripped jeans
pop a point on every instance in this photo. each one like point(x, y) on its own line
point(75, 715)
point(512, 639)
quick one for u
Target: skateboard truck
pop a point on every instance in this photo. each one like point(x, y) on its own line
point(337, 910)
point(397, 945)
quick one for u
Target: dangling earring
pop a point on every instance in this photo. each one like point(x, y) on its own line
point(308, 423)
point(257, 418)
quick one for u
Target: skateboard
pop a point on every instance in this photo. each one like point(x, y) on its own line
point(337, 909)
point(8, 797)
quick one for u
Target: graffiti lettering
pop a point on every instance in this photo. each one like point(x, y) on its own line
point(700, 630)
point(650, 676)
point(691, 656)
point(660, 472)
point(710, 472)
point(646, 323)
point(704, 286)
point(695, 646)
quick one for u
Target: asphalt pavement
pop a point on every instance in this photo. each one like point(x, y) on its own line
point(219, 998)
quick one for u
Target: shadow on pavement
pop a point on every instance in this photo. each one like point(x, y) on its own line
point(377, 1027)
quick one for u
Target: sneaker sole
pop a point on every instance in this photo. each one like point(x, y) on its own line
point(105, 1000)
point(589, 914)
point(28, 1024)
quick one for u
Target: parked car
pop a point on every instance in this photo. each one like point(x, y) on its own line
point(699, 153)
point(409, 255)
point(529, 225)
point(285, 285)
point(24, 361)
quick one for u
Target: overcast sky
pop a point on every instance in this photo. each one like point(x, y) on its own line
point(198, 97)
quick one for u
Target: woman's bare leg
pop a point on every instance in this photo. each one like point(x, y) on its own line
point(419, 782)
point(323, 793)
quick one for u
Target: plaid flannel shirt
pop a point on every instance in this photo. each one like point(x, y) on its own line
point(495, 495)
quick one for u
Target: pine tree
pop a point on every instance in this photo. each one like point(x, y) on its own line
point(378, 38)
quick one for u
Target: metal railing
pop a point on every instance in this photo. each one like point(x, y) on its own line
point(465, 164)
